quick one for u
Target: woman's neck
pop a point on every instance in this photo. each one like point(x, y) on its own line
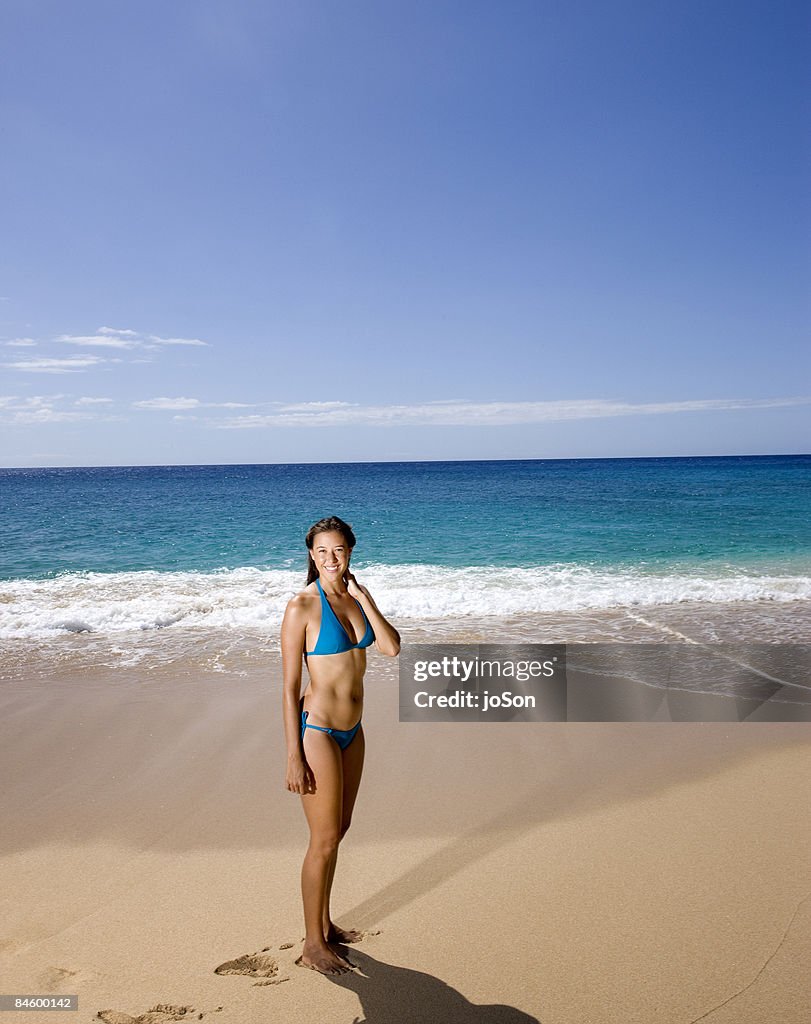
point(335, 587)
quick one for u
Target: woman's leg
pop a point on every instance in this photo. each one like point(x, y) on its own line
point(352, 765)
point(323, 809)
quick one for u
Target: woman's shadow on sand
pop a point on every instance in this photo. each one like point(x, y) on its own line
point(397, 995)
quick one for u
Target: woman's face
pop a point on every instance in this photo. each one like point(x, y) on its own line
point(331, 554)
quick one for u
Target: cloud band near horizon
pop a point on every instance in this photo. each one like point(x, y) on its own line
point(15, 409)
point(478, 414)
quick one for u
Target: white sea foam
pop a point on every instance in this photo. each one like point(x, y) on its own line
point(250, 600)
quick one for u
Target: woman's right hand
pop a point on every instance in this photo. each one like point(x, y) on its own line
point(300, 778)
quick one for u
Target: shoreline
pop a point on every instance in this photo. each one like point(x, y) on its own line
point(240, 652)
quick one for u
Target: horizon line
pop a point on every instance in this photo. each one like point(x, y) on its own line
point(395, 462)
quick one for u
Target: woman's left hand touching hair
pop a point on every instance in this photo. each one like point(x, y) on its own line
point(386, 636)
point(354, 589)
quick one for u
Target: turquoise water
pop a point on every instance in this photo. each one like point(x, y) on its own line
point(747, 511)
point(112, 550)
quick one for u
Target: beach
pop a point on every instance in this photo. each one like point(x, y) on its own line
point(559, 872)
point(596, 870)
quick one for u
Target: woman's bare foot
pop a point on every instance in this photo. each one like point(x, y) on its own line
point(323, 959)
point(344, 960)
point(344, 935)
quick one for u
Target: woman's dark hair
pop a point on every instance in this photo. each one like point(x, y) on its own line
point(329, 525)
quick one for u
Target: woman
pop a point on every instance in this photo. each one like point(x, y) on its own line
point(330, 623)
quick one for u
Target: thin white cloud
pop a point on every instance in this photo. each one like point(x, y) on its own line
point(316, 406)
point(97, 341)
point(123, 338)
point(30, 401)
point(72, 364)
point(176, 341)
point(48, 415)
point(188, 403)
point(477, 414)
point(92, 401)
point(167, 403)
point(117, 332)
point(39, 409)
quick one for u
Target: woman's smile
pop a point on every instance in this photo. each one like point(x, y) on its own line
point(331, 554)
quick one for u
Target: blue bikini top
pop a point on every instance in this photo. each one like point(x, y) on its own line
point(332, 637)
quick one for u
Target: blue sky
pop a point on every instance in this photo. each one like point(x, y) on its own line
point(281, 232)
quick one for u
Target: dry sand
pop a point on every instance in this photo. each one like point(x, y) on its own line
point(557, 872)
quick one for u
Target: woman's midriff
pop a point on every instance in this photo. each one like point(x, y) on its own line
point(334, 696)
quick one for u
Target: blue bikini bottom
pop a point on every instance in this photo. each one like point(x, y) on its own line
point(343, 737)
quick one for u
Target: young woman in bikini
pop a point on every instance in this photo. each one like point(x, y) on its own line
point(330, 624)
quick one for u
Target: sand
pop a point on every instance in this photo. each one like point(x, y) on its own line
point(567, 873)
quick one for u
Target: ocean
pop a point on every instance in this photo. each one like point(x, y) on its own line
point(152, 563)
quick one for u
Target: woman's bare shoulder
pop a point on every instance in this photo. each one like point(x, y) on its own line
point(302, 602)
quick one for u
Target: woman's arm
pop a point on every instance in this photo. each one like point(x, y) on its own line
point(299, 778)
point(386, 636)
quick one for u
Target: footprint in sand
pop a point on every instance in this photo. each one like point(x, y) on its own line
point(159, 1014)
point(58, 979)
point(253, 965)
point(260, 965)
point(54, 976)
